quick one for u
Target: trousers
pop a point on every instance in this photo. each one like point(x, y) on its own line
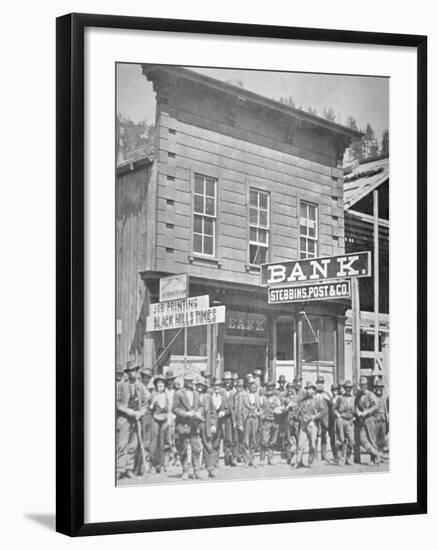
point(159, 442)
point(250, 437)
point(269, 436)
point(182, 442)
point(307, 440)
point(127, 445)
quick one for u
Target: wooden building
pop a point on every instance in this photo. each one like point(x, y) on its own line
point(366, 204)
point(237, 180)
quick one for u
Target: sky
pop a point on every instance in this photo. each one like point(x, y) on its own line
point(366, 98)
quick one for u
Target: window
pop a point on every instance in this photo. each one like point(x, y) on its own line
point(308, 230)
point(204, 222)
point(258, 226)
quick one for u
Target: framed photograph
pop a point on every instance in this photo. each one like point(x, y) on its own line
point(241, 274)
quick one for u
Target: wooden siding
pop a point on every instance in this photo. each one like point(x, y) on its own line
point(132, 189)
point(238, 165)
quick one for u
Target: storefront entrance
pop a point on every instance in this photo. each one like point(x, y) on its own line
point(244, 359)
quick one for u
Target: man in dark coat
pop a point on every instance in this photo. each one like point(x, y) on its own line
point(132, 402)
point(188, 416)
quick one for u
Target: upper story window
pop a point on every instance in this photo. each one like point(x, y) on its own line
point(308, 230)
point(258, 226)
point(204, 221)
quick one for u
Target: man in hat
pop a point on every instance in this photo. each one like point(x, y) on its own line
point(298, 385)
point(322, 424)
point(381, 416)
point(224, 412)
point(309, 413)
point(366, 407)
point(146, 374)
point(188, 415)
point(281, 389)
point(257, 376)
point(159, 440)
point(131, 406)
point(248, 420)
point(335, 391)
point(207, 426)
point(170, 392)
point(270, 414)
point(238, 450)
point(120, 372)
point(344, 411)
point(291, 425)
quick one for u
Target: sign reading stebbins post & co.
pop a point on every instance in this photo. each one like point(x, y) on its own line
point(316, 269)
point(323, 290)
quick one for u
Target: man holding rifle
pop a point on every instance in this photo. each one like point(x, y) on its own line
point(131, 406)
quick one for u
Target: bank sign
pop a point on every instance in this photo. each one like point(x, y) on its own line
point(316, 269)
point(309, 292)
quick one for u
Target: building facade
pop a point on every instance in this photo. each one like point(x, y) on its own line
point(237, 180)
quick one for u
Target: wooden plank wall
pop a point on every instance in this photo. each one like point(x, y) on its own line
point(195, 140)
point(131, 203)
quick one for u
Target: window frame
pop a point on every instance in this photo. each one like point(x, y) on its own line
point(204, 215)
point(249, 225)
point(307, 237)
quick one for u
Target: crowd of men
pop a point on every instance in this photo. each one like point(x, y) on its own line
point(161, 422)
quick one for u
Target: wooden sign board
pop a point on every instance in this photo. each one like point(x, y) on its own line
point(316, 269)
point(181, 319)
point(309, 292)
point(174, 287)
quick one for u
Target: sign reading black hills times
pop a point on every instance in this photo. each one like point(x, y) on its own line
point(308, 292)
point(357, 264)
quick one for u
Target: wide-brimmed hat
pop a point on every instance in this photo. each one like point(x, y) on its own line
point(201, 381)
point(347, 384)
point(257, 372)
point(379, 384)
point(309, 384)
point(131, 365)
point(281, 378)
point(270, 384)
point(320, 379)
point(216, 382)
point(228, 375)
point(159, 378)
point(189, 377)
point(363, 380)
point(146, 371)
point(170, 375)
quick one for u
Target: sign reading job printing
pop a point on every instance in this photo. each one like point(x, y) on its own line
point(190, 312)
point(316, 269)
point(174, 287)
point(309, 292)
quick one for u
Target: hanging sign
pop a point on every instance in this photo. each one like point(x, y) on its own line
point(177, 306)
point(188, 318)
point(309, 292)
point(174, 287)
point(316, 269)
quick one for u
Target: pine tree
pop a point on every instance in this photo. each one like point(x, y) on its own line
point(311, 110)
point(329, 114)
point(370, 147)
point(384, 151)
point(356, 148)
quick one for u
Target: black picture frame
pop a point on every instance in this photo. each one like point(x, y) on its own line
point(70, 273)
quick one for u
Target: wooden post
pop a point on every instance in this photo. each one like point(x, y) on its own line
point(355, 311)
point(340, 349)
point(376, 277)
point(299, 357)
point(273, 348)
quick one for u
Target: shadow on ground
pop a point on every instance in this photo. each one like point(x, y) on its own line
point(46, 520)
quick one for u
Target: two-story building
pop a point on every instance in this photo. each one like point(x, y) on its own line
point(237, 180)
